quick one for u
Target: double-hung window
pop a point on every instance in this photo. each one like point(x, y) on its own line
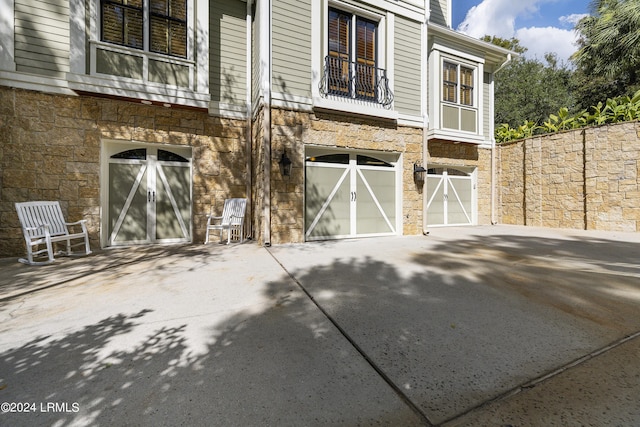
point(459, 101)
point(351, 61)
point(158, 26)
point(457, 83)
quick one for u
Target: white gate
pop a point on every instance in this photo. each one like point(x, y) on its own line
point(149, 195)
point(451, 195)
point(350, 195)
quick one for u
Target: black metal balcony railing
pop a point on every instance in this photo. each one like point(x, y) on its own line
point(355, 81)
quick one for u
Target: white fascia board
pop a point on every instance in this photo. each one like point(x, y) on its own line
point(457, 53)
point(348, 108)
point(35, 82)
point(486, 48)
point(410, 121)
point(120, 87)
point(457, 136)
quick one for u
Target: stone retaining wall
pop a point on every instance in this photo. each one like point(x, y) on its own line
point(582, 179)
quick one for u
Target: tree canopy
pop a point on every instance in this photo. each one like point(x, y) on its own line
point(608, 56)
point(606, 71)
point(527, 89)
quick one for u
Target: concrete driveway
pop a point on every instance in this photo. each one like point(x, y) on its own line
point(469, 326)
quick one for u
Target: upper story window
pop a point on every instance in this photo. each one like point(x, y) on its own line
point(351, 65)
point(158, 26)
point(457, 83)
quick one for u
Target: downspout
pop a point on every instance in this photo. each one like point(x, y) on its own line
point(266, 127)
point(249, 130)
point(494, 221)
point(425, 153)
point(425, 113)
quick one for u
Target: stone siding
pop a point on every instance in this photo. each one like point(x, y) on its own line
point(582, 179)
point(50, 150)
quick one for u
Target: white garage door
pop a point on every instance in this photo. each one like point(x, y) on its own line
point(350, 194)
point(451, 195)
point(148, 195)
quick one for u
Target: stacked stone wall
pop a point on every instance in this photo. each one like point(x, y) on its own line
point(582, 179)
point(50, 150)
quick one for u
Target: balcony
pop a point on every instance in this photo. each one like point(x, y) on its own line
point(355, 83)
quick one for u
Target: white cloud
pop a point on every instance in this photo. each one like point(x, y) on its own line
point(539, 41)
point(498, 17)
point(573, 19)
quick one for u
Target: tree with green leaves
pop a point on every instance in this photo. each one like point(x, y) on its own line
point(608, 56)
point(527, 90)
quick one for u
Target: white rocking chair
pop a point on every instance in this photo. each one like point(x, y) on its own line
point(43, 224)
point(232, 220)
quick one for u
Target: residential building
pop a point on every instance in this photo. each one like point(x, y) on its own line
point(145, 115)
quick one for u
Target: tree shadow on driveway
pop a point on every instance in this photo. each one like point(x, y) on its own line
point(453, 324)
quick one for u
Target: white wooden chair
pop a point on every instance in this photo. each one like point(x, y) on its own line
point(43, 224)
point(232, 220)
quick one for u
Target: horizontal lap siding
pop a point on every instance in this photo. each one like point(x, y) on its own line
point(292, 47)
point(486, 87)
point(438, 13)
point(228, 51)
point(42, 37)
point(407, 81)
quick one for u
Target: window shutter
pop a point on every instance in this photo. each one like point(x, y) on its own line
point(337, 67)
point(365, 59)
point(366, 42)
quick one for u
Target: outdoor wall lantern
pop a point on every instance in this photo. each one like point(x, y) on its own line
point(418, 173)
point(285, 164)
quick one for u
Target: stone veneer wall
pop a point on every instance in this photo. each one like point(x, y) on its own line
point(50, 150)
point(293, 130)
point(446, 153)
point(582, 179)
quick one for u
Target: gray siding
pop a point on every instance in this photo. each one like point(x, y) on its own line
point(438, 12)
point(42, 37)
point(407, 65)
point(291, 49)
point(228, 54)
point(486, 108)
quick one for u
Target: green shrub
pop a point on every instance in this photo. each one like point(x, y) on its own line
point(616, 110)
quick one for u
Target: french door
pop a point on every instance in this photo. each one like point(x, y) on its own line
point(451, 195)
point(350, 195)
point(149, 196)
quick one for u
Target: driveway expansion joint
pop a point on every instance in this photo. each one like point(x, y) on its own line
point(545, 377)
point(415, 408)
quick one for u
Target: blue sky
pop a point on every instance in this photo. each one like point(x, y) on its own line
point(540, 25)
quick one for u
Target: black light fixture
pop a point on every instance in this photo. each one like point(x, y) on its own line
point(418, 172)
point(285, 164)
